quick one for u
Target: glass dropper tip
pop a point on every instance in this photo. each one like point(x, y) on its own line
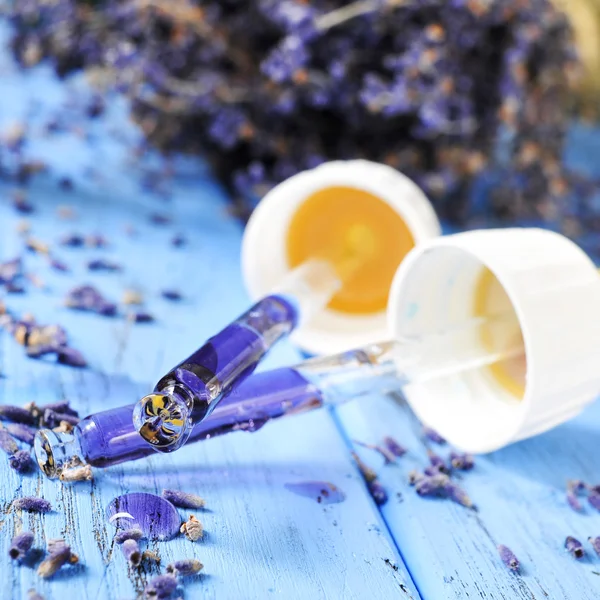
point(55, 452)
point(163, 419)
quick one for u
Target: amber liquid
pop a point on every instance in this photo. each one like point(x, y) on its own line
point(360, 235)
point(491, 299)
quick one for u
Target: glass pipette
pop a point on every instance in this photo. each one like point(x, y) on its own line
point(108, 438)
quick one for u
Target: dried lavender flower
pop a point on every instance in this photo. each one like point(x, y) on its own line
point(595, 542)
point(7, 442)
point(24, 433)
point(32, 504)
point(463, 462)
point(102, 264)
point(414, 477)
point(178, 241)
point(96, 240)
point(183, 499)
point(131, 552)
point(161, 587)
point(61, 556)
point(59, 265)
point(574, 547)
point(71, 357)
point(129, 534)
point(151, 556)
point(74, 240)
point(37, 246)
point(367, 473)
point(51, 418)
point(141, 317)
point(432, 485)
point(388, 457)
point(457, 494)
point(573, 501)
point(594, 499)
point(88, 298)
point(437, 462)
point(576, 486)
point(20, 545)
point(188, 566)
point(377, 492)
point(192, 528)
point(20, 461)
point(74, 474)
point(173, 295)
point(16, 414)
point(508, 558)
point(160, 219)
point(393, 446)
point(433, 436)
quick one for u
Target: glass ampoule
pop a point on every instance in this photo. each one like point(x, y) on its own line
point(108, 438)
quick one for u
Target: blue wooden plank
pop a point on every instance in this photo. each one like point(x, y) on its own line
point(520, 494)
point(262, 540)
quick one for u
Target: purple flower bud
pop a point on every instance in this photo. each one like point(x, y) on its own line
point(160, 219)
point(96, 240)
point(74, 240)
point(430, 471)
point(32, 504)
point(141, 317)
point(433, 436)
point(16, 414)
point(171, 295)
point(59, 265)
point(161, 587)
point(10, 270)
point(377, 492)
point(131, 552)
point(573, 501)
point(188, 566)
point(508, 558)
point(101, 264)
point(7, 442)
point(24, 433)
point(594, 499)
point(457, 494)
point(388, 457)
point(595, 542)
point(71, 357)
point(576, 486)
point(20, 545)
point(88, 298)
point(432, 485)
point(437, 462)
point(393, 446)
point(574, 547)
point(183, 499)
point(129, 534)
point(20, 461)
point(178, 241)
point(463, 462)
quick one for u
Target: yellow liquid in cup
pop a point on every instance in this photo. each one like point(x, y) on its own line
point(491, 299)
point(360, 235)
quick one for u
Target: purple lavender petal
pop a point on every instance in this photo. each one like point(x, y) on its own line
point(59, 265)
point(131, 552)
point(160, 219)
point(393, 446)
point(432, 485)
point(161, 587)
point(32, 504)
point(576, 486)
point(321, 491)
point(20, 545)
point(21, 461)
point(574, 547)
point(187, 566)
point(508, 558)
point(155, 516)
point(184, 499)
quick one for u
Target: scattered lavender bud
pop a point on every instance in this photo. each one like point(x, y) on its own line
point(161, 587)
point(151, 556)
point(437, 462)
point(393, 446)
point(573, 501)
point(65, 184)
point(140, 317)
point(160, 219)
point(37, 246)
point(131, 552)
point(594, 500)
point(433, 436)
point(414, 477)
point(173, 295)
point(16, 414)
point(10, 270)
point(33, 595)
point(96, 240)
point(574, 547)
point(7, 442)
point(101, 264)
point(457, 494)
point(59, 265)
point(435, 484)
point(178, 241)
point(576, 486)
point(388, 457)
point(74, 240)
point(55, 545)
point(429, 471)
point(595, 542)
point(21, 203)
point(88, 298)
point(188, 566)
point(377, 492)
point(192, 528)
point(183, 499)
point(134, 533)
point(61, 556)
point(51, 418)
point(20, 545)
point(71, 357)
point(32, 504)
point(74, 474)
point(14, 288)
point(63, 427)
point(463, 462)
point(367, 473)
point(508, 558)
point(24, 433)
point(20, 461)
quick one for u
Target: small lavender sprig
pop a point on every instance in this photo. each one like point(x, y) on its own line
point(131, 552)
point(129, 534)
point(574, 547)
point(183, 499)
point(508, 558)
point(161, 587)
point(188, 566)
point(20, 545)
point(32, 504)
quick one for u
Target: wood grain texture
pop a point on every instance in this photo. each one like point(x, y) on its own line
point(261, 540)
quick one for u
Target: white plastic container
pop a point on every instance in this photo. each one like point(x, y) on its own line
point(264, 262)
point(554, 289)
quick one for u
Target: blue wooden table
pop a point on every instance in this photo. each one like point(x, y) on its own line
point(261, 540)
